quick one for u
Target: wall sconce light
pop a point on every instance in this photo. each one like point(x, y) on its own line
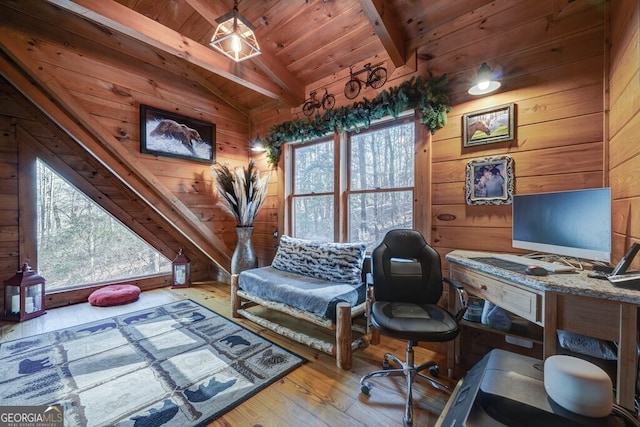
point(234, 36)
point(485, 82)
point(257, 146)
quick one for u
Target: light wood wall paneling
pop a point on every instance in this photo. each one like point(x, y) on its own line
point(9, 210)
point(624, 145)
point(81, 32)
point(551, 59)
point(66, 162)
point(625, 141)
point(440, 24)
point(543, 135)
point(554, 77)
point(126, 159)
point(496, 239)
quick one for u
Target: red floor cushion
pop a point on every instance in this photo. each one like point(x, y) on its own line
point(114, 295)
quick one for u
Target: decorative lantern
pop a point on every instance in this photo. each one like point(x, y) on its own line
point(24, 295)
point(181, 271)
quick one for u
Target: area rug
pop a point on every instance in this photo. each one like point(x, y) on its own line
point(178, 364)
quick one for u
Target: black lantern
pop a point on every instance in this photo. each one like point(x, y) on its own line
point(181, 271)
point(24, 295)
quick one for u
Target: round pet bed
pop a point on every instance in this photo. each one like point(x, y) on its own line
point(114, 295)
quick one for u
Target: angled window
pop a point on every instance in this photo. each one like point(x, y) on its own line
point(79, 243)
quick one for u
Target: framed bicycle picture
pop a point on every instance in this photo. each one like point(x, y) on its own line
point(489, 181)
point(495, 124)
point(168, 134)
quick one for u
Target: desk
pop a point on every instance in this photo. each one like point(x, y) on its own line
point(568, 301)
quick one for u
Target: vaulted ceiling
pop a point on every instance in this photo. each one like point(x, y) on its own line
point(305, 43)
point(89, 64)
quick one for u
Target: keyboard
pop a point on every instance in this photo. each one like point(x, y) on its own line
point(549, 266)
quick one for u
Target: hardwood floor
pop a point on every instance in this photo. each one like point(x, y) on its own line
point(316, 394)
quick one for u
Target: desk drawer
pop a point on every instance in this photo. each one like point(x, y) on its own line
point(513, 298)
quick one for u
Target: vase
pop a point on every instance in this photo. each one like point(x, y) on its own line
point(244, 256)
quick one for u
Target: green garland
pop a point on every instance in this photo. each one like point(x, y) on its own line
point(429, 97)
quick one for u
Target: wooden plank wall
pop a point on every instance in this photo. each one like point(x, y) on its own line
point(552, 57)
point(553, 73)
point(9, 242)
point(108, 76)
point(624, 125)
point(29, 133)
point(551, 54)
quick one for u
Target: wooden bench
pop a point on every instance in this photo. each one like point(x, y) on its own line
point(341, 317)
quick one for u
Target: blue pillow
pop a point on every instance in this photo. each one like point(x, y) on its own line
point(335, 262)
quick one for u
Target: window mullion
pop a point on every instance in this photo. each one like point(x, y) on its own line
point(342, 179)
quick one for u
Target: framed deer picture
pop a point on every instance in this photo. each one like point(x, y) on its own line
point(172, 135)
point(495, 124)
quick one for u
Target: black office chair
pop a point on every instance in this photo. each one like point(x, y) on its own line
point(407, 283)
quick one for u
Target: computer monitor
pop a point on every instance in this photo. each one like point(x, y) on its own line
point(569, 223)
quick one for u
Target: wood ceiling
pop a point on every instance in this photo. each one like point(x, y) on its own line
point(305, 43)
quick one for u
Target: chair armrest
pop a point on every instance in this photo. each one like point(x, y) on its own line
point(463, 299)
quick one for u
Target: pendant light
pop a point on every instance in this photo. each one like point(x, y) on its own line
point(234, 36)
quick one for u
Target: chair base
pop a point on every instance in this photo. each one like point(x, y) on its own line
point(410, 371)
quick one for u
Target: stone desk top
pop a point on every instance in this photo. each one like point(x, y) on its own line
point(576, 283)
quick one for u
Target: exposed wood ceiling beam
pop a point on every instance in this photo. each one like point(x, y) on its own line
point(385, 25)
point(267, 62)
point(119, 18)
point(168, 63)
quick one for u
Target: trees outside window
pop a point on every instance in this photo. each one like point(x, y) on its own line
point(79, 243)
point(313, 198)
point(359, 199)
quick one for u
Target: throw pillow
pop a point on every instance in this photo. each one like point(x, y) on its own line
point(335, 262)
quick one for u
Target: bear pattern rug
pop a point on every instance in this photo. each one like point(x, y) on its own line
point(178, 364)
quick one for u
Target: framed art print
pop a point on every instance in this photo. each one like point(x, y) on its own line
point(495, 124)
point(489, 181)
point(172, 135)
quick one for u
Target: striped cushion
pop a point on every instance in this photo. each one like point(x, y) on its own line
point(336, 262)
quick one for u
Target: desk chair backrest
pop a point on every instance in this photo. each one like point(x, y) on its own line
point(406, 269)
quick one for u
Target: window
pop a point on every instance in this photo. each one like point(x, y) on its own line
point(359, 199)
point(313, 198)
point(381, 180)
point(79, 243)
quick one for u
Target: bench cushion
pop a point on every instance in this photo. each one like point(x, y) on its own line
point(310, 294)
point(334, 262)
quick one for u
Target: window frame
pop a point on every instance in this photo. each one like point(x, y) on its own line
point(342, 175)
point(291, 196)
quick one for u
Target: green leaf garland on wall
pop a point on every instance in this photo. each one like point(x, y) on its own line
point(429, 97)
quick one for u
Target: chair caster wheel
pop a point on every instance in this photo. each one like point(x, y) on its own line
point(434, 370)
point(366, 388)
